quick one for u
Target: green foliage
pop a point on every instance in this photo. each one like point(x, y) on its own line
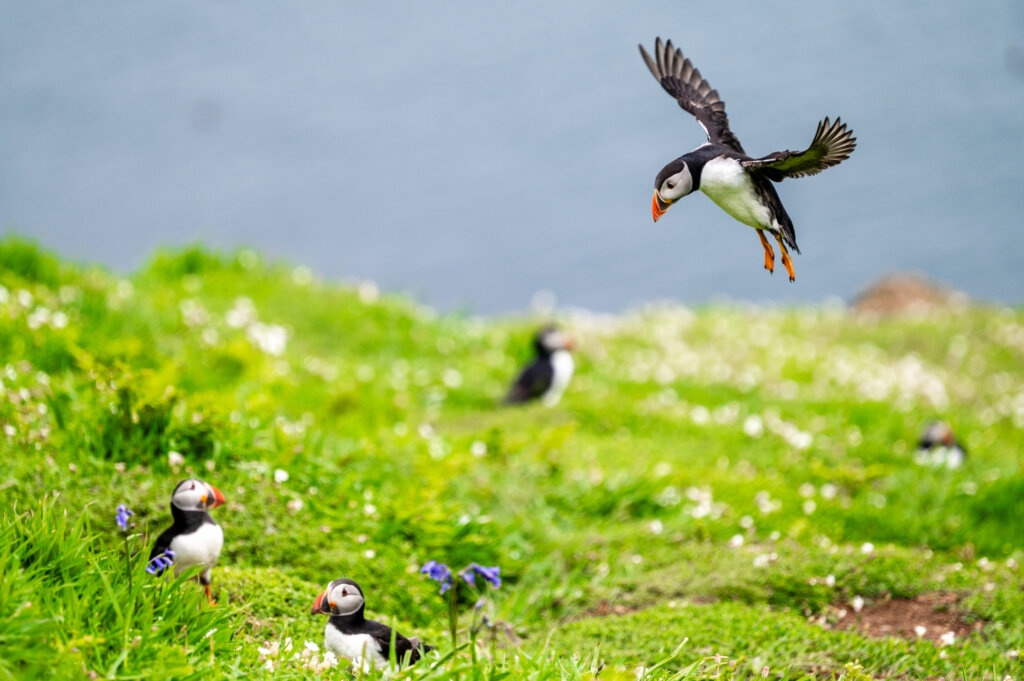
point(710, 476)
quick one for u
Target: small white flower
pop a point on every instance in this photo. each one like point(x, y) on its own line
point(867, 547)
point(478, 448)
point(451, 378)
point(857, 604)
point(736, 541)
point(271, 650)
point(761, 560)
point(807, 490)
point(829, 491)
point(830, 580)
point(210, 633)
point(281, 475)
point(175, 459)
point(656, 527)
point(920, 631)
point(294, 505)
point(809, 506)
point(369, 553)
point(753, 426)
point(947, 639)
point(746, 522)
point(312, 647)
point(1013, 654)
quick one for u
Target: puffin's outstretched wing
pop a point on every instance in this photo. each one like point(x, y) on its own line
point(681, 80)
point(832, 144)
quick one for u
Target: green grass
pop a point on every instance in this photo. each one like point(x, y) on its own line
point(684, 432)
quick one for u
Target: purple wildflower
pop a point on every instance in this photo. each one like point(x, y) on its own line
point(438, 571)
point(158, 564)
point(490, 574)
point(123, 513)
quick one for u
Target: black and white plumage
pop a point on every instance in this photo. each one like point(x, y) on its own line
point(548, 376)
point(739, 184)
point(938, 447)
point(351, 636)
point(194, 537)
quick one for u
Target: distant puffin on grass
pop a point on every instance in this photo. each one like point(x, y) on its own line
point(739, 184)
point(938, 447)
point(194, 538)
point(547, 377)
point(349, 635)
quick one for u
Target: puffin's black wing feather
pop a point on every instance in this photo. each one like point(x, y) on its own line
point(381, 633)
point(832, 144)
point(684, 82)
point(532, 383)
point(162, 543)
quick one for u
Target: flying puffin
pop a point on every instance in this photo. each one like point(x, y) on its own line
point(549, 374)
point(938, 447)
point(194, 538)
point(739, 184)
point(350, 635)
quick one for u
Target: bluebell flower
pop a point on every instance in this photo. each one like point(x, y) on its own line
point(439, 572)
point(160, 563)
point(491, 575)
point(123, 513)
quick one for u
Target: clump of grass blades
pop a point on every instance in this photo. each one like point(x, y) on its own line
point(70, 608)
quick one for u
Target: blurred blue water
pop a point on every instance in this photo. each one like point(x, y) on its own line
point(476, 153)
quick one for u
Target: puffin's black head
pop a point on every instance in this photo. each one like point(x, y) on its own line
point(550, 339)
point(937, 434)
point(196, 495)
point(341, 597)
point(673, 183)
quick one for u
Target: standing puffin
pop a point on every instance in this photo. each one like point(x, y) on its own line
point(739, 184)
point(194, 538)
point(549, 374)
point(350, 635)
point(938, 447)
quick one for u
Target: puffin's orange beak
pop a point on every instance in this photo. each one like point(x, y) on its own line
point(658, 207)
point(318, 604)
point(218, 498)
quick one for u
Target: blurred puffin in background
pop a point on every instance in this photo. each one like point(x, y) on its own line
point(938, 446)
point(739, 184)
point(194, 538)
point(350, 635)
point(547, 377)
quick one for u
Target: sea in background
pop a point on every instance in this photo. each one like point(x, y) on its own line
point(473, 154)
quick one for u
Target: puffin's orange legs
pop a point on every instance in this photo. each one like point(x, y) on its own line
point(769, 254)
point(209, 596)
point(785, 258)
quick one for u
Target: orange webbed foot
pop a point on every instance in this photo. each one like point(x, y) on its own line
point(769, 254)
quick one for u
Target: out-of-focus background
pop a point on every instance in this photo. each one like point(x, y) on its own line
point(473, 154)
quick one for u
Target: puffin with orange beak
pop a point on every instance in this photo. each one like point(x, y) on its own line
point(739, 184)
point(194, 538)
point(349, 635)
point(547, 377)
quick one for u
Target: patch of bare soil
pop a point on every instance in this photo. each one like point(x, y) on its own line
point(604, 608)
point(928, 617)
point(908, 293)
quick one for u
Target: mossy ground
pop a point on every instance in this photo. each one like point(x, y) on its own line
point(729, 476)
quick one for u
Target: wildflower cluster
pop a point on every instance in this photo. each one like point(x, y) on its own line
point(442, 574)
point(123, 513)
point(160, 563)
point(273, 653)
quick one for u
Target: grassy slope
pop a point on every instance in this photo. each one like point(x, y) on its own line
point(682, 430)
